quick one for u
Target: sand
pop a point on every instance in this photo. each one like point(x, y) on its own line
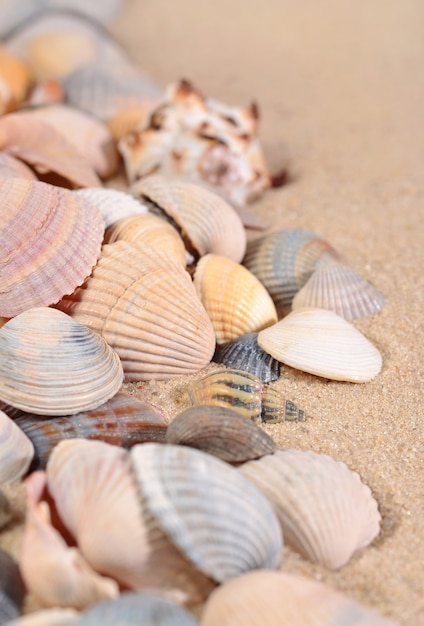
point(340, 86)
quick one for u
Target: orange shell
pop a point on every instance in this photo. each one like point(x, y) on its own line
point(14, 81)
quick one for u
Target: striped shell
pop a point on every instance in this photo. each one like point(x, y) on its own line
point(112, 203)
point(17, 451)
point(53, 365)
point(245, 354)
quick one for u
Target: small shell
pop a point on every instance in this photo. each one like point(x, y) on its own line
point(14, 81)
point(72, 368)
point(244, 354)
point(9, 166)
point(12, 589)
point(112, 203)
point(221, 432)
point(322, 343)
point(325, 511)
point(236, 302)
point(17, 451)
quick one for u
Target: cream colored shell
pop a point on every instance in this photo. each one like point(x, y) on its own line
point(16, 451)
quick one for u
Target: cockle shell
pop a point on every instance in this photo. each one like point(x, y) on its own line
point(12, 589)
point(112, 203)
point(322, 343)
point(53, 365)
point(9, 166)
point(245, 354)
point(266, 598)
point(326, 512)
point(145, 306)
point(207, 223)
point(17, 451)
point(14, 81)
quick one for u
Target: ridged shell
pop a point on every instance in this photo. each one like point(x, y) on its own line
point(53, 365)
point(236, 302)
point(266, 598)
point(49, 241)
point(321, 342)
point(12, 589)
point(244, 354)
point(205, 220)
point(326, 512)
point(14, 81)
point(9, 166)
point(145, 306)
point(112, 203)
point(209, 514)
point(220, 432)
point(17, 451)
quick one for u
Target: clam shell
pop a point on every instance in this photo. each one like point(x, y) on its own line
point(17, 451)
point(112, 203)
point(9, 166)
point(244, 354)
point(220, 432)
point(207, 223)
point(210, 515)
point(145, 306)
point(326, 513)
point(14, 81)
point(49, 241)
point(321, 342)
point(12, 589)
point(53, 365)
point(265, 598)
point(236, 302)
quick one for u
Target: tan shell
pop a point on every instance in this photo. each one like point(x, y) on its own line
point(322, 343)
point(49, 242)
point(17, 451)
point(236, 302)
point(128, 119)
point(52, 365)
point(112, 203)
point(9, 166)
point(14, 81)
point(208, 222)
point(326, 512)
point(145, 306)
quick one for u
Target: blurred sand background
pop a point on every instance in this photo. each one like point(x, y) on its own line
point(340, 86)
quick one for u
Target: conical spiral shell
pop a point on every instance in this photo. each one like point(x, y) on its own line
point(112, 203)
point(16, 449)
point(53, 365)
point(145, 306)
point(326, 512)
point(49, 242)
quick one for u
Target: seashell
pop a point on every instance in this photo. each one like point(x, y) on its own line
point(220, 432)
point(145, 306)
point(53, 365)
point(245, 354)
point(236, 302)
point(131, 609)
point(46, 150)
point(9, 166)
point(17, 451)
point(49, 241)
point(148, 230)
point(275, 598)
point(205, 221)
point(129, 118)
point(5, 510)
point(56, 574)
point(326, 513)
point(121, 421)
point(46, 92)
point(321, 342)
point(46, 617)
point(12, 588)
point(14, 81)
point(112, 203)
point(192, 493)
point(245, 394)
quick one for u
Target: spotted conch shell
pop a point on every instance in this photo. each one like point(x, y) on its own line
point(17, 451)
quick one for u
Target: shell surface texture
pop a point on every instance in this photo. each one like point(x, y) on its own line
point(16, 449)
point(245, 354)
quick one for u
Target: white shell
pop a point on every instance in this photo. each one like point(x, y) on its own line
point(16, 449)
point(113, 204)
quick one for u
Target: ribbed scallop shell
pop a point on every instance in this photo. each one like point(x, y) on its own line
point(244, 354)
point(236, 302)
point(16, 451)
point(14, 81)
point(208, 222)
point(12, 589)
point(145, 306)
point(9, 166)
point(265, 598)
point(321, 342)
point(53, 365)
point(326, 512)
point(49, 242)
point(112, 203)
point(210, 514)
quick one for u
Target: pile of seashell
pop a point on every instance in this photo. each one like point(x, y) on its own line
point(99, 286)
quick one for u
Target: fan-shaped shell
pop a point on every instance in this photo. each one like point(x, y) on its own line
point(9, 166)
point(14, 81)
point(12, 589)
point(145, 306)
point(112, 203)
point(326, 512)
point(245, 354)
point(16, 451)
point(49, 241)
point(209, 514)
point(322, 343)
point(53, 365)
point(205, 220)
point(236, 302)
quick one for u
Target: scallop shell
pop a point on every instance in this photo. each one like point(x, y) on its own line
point(12, 589)
point(17, 451)
point(14, 81)
point(49, 241)
point(207, 223)
point(244, 354)
point(322, 343)
point(53, 365)
point(145, 306)
point(326, 513)
point(112, 203)
point(220, 432)
point(265, 598)
point(210, 515)
point(9, 166)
